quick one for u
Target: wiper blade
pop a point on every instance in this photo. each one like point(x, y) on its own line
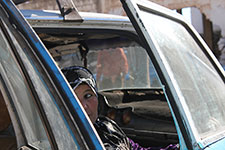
point(68, 10)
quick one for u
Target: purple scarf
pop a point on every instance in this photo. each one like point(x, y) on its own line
point(136, 146)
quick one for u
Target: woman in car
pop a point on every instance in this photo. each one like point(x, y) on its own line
point(84, 85)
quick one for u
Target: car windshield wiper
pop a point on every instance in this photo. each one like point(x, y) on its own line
point(68, 10)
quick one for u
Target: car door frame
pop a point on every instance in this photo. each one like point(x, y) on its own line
point(133, 7)
point(70, 106)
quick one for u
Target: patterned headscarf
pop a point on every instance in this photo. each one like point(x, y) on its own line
point(77, 75)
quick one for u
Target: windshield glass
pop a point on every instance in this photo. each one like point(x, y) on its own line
point(198, 81)
point(23, 100)
point(116, 64)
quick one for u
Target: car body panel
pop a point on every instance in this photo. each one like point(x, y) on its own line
point(36, 17)
point(219, 145)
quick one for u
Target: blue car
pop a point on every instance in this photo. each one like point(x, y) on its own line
point(156, 77)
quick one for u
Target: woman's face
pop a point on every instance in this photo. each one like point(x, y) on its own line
point(88, 100)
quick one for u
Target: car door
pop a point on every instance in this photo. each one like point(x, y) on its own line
point(192, 78)
point(43, 110)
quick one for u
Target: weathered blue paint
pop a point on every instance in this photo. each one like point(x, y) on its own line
point(180, 137)
point(219, 145)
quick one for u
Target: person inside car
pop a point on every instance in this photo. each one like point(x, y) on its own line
point(84, 85)
point(118, 64)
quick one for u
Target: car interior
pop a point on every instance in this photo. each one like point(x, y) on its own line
point(143, 113)
point(147, 112)
point(7, 135)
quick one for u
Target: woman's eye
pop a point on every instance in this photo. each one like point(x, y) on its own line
point(86, 96)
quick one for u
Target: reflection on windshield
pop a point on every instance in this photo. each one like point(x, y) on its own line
point(116, 67)
point(202, 87)
point(112, 71)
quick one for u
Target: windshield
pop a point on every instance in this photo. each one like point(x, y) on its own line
point(199, 83)
point(117, 63)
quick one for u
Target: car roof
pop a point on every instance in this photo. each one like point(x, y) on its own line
point(53, 18)
point(56, 15)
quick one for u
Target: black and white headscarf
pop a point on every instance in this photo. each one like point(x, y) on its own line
point(76, 75)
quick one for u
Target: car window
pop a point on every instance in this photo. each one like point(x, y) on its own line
point(200, 84)
point(115, 65)
point(26, 102)
point(30, 118)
